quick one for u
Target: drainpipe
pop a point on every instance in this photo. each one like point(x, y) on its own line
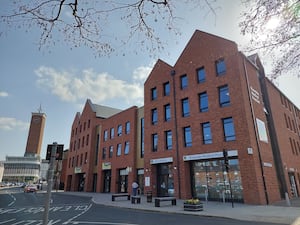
point(173, 72)
point(256, 134)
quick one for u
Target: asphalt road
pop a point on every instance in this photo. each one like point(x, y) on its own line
point(18, 208)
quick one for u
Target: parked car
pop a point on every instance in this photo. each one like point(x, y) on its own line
point(30, 188)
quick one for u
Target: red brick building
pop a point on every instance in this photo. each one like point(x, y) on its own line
point(211, 100)
point(212, 126)
point(103, 150)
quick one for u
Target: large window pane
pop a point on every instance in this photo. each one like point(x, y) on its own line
point(201, 75)
point(154, 142)
point(185, 107)
point(184, 81)
point(167, 112)
point(203, 102)
point(168, 139)
point(154, 116)
point(187, 136)
point(206, 132)
point(224, 97)
point(153, 93)
point(220, 67)
point(229, 132)
point(167, 89)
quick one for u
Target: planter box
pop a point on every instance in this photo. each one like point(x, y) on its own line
point(192, 207)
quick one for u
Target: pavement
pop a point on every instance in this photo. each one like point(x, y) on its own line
point(279, 212)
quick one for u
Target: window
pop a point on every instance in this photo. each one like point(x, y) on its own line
point(105, 135)
point(85, 158)
point(142, 138)
point(119, 149)
point(184, 81)
point(154, 142)
point(185, 107)
point(187, 136)
point(104, 153)
point(168, 136)
point(201, 75)
point(82, 144)
point(111, 151)
point(167, 112)
point(224, 97)
point(126, 148)
point(127, 127)
point(166, 89)
point(154, 116)
point(89, 123)
point(87, 139)
point(203, 102)
point(220, 67)
point(153, 93)
point(119, 130)
point(229, 133)
point(112, 133)
point(206, 133)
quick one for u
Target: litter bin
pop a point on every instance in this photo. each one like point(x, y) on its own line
point(149, 196)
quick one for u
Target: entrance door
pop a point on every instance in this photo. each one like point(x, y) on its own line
point(106, 181)
point(165, 180)
point(123, 181)
point(294, 189)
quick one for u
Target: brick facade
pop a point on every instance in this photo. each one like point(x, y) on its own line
point(190, 122)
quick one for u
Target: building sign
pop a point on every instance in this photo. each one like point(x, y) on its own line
point(212, 155)
point(106, 165)
point(147, 181)
point(255, 95)
point(262, 131)
point(267, 164)
point(161, 160)
point(77, 170)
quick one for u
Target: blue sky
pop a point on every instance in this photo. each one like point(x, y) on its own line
point(61, 79)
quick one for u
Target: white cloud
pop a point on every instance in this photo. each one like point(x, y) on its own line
point(99, 87)
point(3, 94)
point(9, 123)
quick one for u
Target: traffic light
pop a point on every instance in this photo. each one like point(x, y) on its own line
point(59, 152)
point(226, 163)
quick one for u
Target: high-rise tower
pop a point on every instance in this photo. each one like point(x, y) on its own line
point(36, 133)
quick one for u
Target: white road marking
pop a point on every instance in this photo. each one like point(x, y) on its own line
point(7, 221)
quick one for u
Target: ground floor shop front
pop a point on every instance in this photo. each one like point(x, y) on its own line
point(207, 175)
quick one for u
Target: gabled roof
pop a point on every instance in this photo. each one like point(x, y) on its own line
point(103, 111)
